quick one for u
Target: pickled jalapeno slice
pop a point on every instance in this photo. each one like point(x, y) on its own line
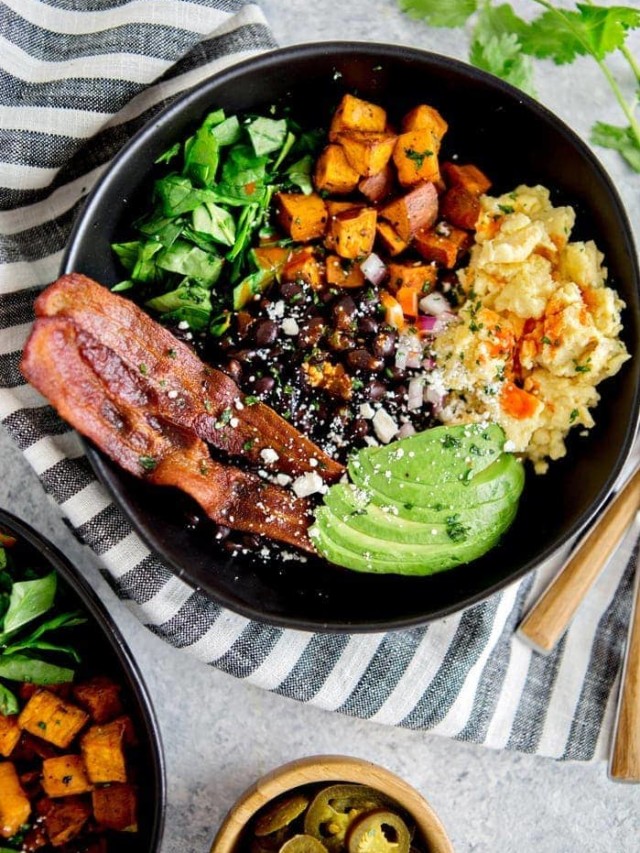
point(303, 844)
point(379, 831)
point(281, 814)
point(334, 809)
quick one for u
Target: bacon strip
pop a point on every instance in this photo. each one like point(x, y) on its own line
point(182, 389)
point(98, 394)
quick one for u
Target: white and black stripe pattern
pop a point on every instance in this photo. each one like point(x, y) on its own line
point(79, 77)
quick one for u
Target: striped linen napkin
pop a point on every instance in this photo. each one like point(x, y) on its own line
point(78, 78)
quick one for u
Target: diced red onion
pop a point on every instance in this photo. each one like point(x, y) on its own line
point(406, 430)
point(409, 352)
point(434, 303)
point(415, 397)
point(435, 397)
point(374, 269)
point(442, 321)
point(426, 323)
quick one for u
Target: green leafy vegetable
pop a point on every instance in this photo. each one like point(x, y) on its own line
point(191, 261)
point(501, 43)
point(29, 600)
point(452, 13)
point(8, 704)
point(27, 613)
point(33, 671)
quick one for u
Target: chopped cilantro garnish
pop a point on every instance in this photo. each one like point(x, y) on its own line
point(148, 463)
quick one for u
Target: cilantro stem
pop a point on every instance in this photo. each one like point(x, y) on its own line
point(613, 83)
point(635, 67)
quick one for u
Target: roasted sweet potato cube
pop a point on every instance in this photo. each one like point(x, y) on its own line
point(352, 232)
point(379, 186)
point(303, 217)
point(15, 807)
point(64, 819)
point(268, 258)
point(51, 718)
point(103, 753)
point(469, 177)
point(65, 776)
point(342, 272)
point(332, 378)
point(415, 210)
point(444, 247)
point(303, 266)
point(9, 734)
point(414, 275)
point(415, 155)
point(115, 807)
point(129, 735)
point(100, 696)
point(391, 241)
point(355, 114)
point(333, 209)
point(334, 173)
point(367, 153)
point(424, 117)
point(460, 207)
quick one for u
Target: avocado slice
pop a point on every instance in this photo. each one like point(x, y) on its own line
point(423, 504)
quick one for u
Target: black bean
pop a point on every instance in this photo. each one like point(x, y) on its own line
point(362, 359)
point(234, 369)
point(343, 313)
point(289, 290)
point(311, 332)
point(265, 333)
point(222, 532)
point(264, 385)
point(367, 326)
point(384, 344)
point(375, 390)
point(358, 428)
point(395, 374)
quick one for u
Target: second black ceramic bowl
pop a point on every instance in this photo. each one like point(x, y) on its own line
point(511, 138)
point(103, 650)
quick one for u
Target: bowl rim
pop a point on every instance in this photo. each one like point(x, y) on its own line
point(340, 49)
point(98, 610)
point(337, 769)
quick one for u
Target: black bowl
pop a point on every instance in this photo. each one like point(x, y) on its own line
point(101, 638)
point(514, 140)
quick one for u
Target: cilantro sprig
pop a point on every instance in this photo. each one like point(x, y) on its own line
point(504, 44)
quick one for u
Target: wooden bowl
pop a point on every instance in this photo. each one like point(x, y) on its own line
point(330, 768)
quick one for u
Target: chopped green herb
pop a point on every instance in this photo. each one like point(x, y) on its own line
point(418, 157)
point(147, 463)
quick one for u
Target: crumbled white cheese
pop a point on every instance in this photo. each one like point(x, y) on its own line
point(289, 326)
point(384, 426)
point(308, 484)
point(234, 422)
point(313, 462)
point(283, 479)
point(183, 325)
point(367, 411)
point(509, 446)
point(276, 309)
point(268, 455)
point(172, 394)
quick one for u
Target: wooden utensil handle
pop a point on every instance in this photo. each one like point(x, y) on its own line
point(548, 619)
point(624, 765)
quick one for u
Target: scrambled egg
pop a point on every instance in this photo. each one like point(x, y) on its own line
point(538, 329)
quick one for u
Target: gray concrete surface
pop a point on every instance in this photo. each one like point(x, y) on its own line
point(220, 734)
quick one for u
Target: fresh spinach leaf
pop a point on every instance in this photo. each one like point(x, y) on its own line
point(228, 132)
point(300, 174)
point(267, 134)
point(29, 600)
point(8, 705)
point(216, 222)
point(191, 261)
point(32, 670)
